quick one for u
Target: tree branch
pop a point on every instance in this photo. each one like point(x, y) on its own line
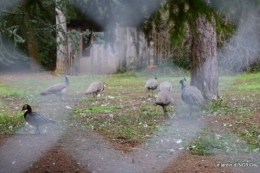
point(3, 11)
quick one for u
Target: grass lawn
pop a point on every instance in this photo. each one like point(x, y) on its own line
point(124, 113)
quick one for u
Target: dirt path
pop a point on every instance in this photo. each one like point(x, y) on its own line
point(85, 151)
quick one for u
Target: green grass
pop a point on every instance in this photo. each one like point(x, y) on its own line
point(11, 118)
point(124, 113)
point(97, 109)
point(8, 91)
point(247, 82)
point(118, 123)
point(237, 108)
point(116, 114)
point(246, 92)
point(223, 107)
point(211, 142)
point(9, 123)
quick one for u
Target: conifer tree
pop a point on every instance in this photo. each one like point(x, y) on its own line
point(203, 20)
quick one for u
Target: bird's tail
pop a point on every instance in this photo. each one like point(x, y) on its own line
point(44, 93)
point(89, 92)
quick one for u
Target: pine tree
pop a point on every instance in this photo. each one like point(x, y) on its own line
point(61, 25)
point(201, 20)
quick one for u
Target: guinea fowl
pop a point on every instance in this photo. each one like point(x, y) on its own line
point(151, 84)
point(165, 85)
point(191, 95)
point(57, 89)
point(164, 99)
point(34, 118)
point(94, 88)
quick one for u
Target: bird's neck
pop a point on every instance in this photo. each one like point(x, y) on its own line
point(29, 109)
point(182, 86)
point(67, 82)
point(25, 113)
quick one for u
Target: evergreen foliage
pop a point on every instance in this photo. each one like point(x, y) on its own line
point(228, 15)
point(8, 52)
point(34, 13)
point(181, 13)
point(147, 15)
point(40, 16)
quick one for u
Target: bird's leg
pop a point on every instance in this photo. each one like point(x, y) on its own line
point(37, 132)
point(164, 109)
point(148, 91)
point(61, 98)
point(190, 107)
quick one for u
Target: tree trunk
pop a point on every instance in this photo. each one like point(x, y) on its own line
point(61, 26)
point(31, 42)
point(203, 58)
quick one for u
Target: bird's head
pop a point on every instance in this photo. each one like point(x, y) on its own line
point(182, 83)
point(104, 85)
point(67, 80)
point(26, 107)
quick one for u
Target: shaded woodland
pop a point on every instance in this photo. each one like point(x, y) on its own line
point(38, 17)
point(201, 36)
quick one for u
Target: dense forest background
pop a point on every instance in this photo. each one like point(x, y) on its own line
point(28, 28)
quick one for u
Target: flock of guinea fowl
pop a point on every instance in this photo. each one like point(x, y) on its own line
point(190, 95)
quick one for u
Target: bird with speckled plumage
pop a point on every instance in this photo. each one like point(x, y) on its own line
point(57, 89)
point(191, 95)
point(95, 88)
point(164, 99)
point(151, 84)
point(165, 86)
